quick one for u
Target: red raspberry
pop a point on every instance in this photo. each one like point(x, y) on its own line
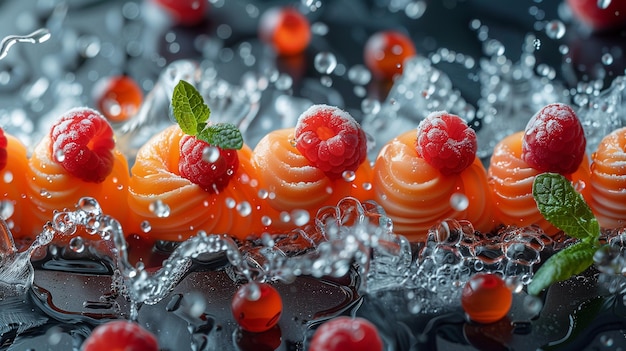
point(446, 142)
point(3, 149)
point(554, 140)
point(208, 166)
point(330, 139)
point(82, 143)
point(120, 335)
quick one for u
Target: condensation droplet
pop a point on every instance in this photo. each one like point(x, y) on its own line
point(159, 208)
point(459, 201)
point(555, 29)
point(325, 62)
point(210, 154)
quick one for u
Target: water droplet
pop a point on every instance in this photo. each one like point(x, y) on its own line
point(326, 81)
point(159, 208)
point(210, 154)
point(348, 176)
point(415, 9)
point(59, 155)
point(537, 44)
point(7, 177)
point(370, 106)
point(367, 186)
point(606, 340)
point(555, 29)
point(532, 304)
point(325, 62)
point(45, 193)
point(145, 226)
point(285, 217)
point(604, 4)
point(300, 217)
point(266, 221)
point(244, 209)
point(6, 209)
point(607, 59)
point(459, 201)
point(77, 244)
point(359, 75)
point(230, 203)
point(564, 49)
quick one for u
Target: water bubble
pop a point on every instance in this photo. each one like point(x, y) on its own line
point(300, 217)
point(604, 4)
point(607, 59)
point(459, 201)
point(325, 62)
point(555, 29)
point(6, 209)
point(244, 209)
point(210, 154)
point(159, 208)
point(77, 244)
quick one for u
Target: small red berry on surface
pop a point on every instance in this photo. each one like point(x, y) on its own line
point(185, 12)
point(554, 140)
point(285, 29)
point(120, 335)
point(446, 142)
point(82, 143)
point(3, 149)
point(117, 97)
point(598, 18)
point(206, 165)
point(330, 139)
point(486, 298)
point(257, 307)
point(385, 53)
point(346, 334)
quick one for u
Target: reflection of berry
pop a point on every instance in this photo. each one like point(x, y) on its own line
point(486, 298)
point(82, 143)
point(117, 97)
point(3, 149)
point(554, 140)
point(346, 334)
point(211, 172)
point(446, 142)
point(185, 12)
point(120, 335)
point(331, 140)
point(385, 53)
point(257, 310)
point(286, 29)
point(588, 11)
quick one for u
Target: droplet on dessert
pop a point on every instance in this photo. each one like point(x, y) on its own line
point(45, 193)
point(6, 209)
point(300, 217)
point(77, 244)
point(325, 62)
point(459, 202)
point(555, 29)
point(159, 208)
point(59, 155)
point(348, 176)
point(607, 59)
point(210, 154)
point(604, 4)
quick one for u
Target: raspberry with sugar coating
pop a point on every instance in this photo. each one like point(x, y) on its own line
point(208, 166)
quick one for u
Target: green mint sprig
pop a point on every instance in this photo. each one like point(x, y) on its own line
point(192, 114)
point(565, 208)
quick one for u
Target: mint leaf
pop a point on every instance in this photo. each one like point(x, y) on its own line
point(562, 265)
point(564, 207)
point(189, 108)
point(222, 135)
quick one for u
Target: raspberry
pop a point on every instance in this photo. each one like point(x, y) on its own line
point(330, 139)
point(208, 166)
point(120, 335)
point(82, 143)
point(446, 142)
point(3, 149)
point(554, 140)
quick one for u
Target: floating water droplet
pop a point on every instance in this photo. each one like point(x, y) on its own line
point(359, 75)
point(145, 226)
point(210, 154)
point(555, 29)
point(300, 217)
point(6, 209)
point(607, 59)
point(370, 106)
point(606, 340)
point(59, 155)
point(319, 28)
point(532, 304)
point(348, 176)
point(415, 9)
point(604, 4)
point(38, 36)
point(7, 177)
point(325, 62)
point(159, 208)
point(230, 203)
point(77, 244)
point(459, 201)
point(564, 49)
point(266, 220)
point(326, 81)
point(244, 209)
point(537, 44)
point(367, 186)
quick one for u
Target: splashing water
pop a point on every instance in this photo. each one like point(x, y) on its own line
point(39, 36)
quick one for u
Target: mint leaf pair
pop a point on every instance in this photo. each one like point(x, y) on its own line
point(565, 208)
point(192, 115)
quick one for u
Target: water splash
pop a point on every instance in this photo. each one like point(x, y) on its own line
point(39, 36)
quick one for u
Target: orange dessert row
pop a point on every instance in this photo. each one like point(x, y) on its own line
point(276, 188)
